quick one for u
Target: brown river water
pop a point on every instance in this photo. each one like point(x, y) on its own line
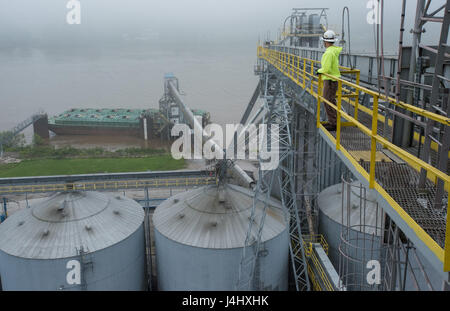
point(217, 79)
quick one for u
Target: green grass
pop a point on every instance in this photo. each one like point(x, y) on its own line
point(49, 167)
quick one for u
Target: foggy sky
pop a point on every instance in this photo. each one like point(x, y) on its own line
point(41, 23)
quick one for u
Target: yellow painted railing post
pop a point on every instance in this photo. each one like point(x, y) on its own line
point(290, 62)
point(294, 67)
point(304, 73)
point(312, 76)
point(319, 99)
point(286, 62)
point(373, 148)
point(447, 239)
point(338, 115)
point(358, 77)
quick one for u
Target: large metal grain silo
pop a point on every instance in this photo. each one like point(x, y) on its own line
point(355, 228)
point(200, 235)
point(334, 219)
point(74, 241)
point(351, 222)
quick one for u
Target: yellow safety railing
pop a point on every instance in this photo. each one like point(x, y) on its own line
point(312, 277)
point(318, 278)
point(109, 185)
point(301, 71)
point(316, 238)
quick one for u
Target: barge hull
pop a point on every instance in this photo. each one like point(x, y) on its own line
point(96, 131)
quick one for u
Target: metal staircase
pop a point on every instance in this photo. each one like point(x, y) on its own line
point(19, 128)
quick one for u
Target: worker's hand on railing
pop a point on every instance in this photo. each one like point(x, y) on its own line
point(317, 73)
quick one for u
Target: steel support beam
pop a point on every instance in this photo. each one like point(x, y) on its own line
point(280, 115)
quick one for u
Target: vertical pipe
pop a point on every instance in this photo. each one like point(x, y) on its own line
point(383, 71)
point(145, 129)
point(5, 208)
point(417, 34)
point(436, 85)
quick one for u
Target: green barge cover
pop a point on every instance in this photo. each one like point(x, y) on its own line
point(124, 118)
point(101, 117)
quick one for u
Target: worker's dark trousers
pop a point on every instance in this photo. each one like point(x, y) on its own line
point(329, 93)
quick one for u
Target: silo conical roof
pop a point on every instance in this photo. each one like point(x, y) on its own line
point(216, 218)
point(359, 218)
point(57, 227)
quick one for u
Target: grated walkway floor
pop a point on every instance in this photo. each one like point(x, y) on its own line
point(399, 180)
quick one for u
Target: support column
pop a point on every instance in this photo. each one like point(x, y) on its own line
point(40, 127)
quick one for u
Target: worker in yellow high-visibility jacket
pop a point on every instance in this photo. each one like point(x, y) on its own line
point(330, 65)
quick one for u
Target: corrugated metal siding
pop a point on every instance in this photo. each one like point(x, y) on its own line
point(331, 167)
point(120, 267)
point(184, 268)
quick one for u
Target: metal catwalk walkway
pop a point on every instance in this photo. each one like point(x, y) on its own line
point(360, 142)
point(106, 182)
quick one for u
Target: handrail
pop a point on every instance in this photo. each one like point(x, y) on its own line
point(308, 241)
point(294, 59)
point(422, 112)
point(301, 74)
point(267, 53)
point(109, 185)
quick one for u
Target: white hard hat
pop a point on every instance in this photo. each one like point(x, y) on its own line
point(329, 36)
